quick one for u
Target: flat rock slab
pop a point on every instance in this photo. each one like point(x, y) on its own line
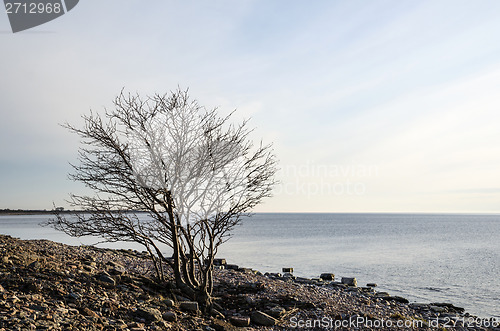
point(191, 306)
point(263, 319)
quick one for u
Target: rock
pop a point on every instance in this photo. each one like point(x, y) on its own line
point(220, 262)
point(103, 277)
point(371, 285)
point(338, 284)
point(368, 290)
point(34, 265)
point(327, 276)
point(189, 306)
point(437, 309)
point(240, 321)
point(117, 269)
point(246, 270)
point(169, 302)
point(150, 314)
point(87, 312)
point(263, 319)
point(395, 298)
point(74, 296)
point(170, 316)
point(220, 325)
point(1, 289)
point(232, 266)
point(449, 306)
point(349, 281)
point(417, 305)
point(289, 270)
point(276, 311)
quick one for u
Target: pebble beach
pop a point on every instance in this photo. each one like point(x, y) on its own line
point(46, 285)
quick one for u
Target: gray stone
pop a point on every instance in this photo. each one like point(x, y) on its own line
point(449, 306)
point(168, 302)
point(349, 281)
point(246, 270)
point(150, 314)
point(220, 262)
point(418, 305)
point(117, 269)
point(240, 321)
point(106, 279)
point(395, 298)
point(74, 296)
point(189, 306)
point(276, 311)
point(368, 290)
point(437, 309)
point(263, 319)
point(337, 284)
point(34, 265)
point(327, 276)
point(170, 316)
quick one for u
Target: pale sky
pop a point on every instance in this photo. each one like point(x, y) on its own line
point(372, 106)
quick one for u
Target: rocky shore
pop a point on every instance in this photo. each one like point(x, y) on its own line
point(50, 286)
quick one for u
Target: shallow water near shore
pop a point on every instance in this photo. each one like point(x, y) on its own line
point(423, 257)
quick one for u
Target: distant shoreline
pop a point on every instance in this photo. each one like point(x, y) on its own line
point(35, 212)
point(45, 212)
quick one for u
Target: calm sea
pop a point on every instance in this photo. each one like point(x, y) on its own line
point(423, 257)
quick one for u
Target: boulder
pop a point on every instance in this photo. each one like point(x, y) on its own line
point(289, 270)
point(150, 314)
point(117, 269)
point(34, 265)
point(245, 270)
point(220, 262)
point(168, 302)
point(169, 316)
point(327, 276)
point(395, 298)
point(449, 306)
point(263, 319)
point(232, 266)
point(349, 281)
point(240, 321)
point(276, 311)
point(104, 277)
point(191, 306)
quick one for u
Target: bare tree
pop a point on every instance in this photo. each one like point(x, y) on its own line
point(191, 171)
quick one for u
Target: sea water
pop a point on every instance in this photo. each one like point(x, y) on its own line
point(424, 257)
